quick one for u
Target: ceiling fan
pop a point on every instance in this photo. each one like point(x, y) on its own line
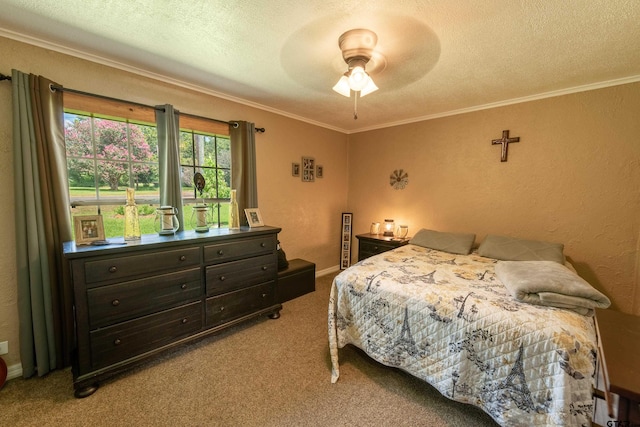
point(357, 50)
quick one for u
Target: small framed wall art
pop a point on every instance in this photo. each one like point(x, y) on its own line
point(345, 244)
point(254, 218)
point(308, 169)
point(295, 169)
point(88, 229)
point(319, 171)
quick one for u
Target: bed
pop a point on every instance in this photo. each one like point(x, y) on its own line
point(447, 319)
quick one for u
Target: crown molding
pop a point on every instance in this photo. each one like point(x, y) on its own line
point(545, 95)
point(46, 44)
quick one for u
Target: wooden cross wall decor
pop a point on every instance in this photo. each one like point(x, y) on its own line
point(505, 140)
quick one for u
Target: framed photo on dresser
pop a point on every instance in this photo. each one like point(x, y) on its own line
point(88, 229)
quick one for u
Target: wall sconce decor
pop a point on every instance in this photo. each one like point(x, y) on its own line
point(388, 227)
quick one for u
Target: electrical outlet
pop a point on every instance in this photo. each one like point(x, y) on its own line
point(4, 347)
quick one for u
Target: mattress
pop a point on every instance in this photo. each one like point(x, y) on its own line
point(446, 318)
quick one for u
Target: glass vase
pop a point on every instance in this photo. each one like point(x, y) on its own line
point(131, 220)
point(234, 217)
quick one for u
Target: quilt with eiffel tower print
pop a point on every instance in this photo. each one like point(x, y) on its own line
point(446, 318)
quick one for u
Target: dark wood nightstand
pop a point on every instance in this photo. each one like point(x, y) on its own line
point(373, 244)
point(618, 351)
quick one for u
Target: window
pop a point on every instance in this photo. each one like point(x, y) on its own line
point(113, 145)
point(104, 157)
point(209, 155)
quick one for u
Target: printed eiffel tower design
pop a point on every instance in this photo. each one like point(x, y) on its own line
point(406, 339)
point(521, 393)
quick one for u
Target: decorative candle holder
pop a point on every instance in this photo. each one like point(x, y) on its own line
point(375, 228)
point(388, 227)
point(166, 221)
point(200, 218)
point(402, 231)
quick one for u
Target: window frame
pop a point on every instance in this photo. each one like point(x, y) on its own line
point(131, 112)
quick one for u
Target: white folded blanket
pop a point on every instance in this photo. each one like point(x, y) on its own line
point(550, 283)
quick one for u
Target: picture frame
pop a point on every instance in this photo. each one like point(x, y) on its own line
point(295, 169)
point(308, 169)
point(319, 171)
point(346, 238)
point(88, 229)
point(254, 218)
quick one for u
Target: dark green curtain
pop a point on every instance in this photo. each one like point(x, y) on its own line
point(168, 123)
point(42, 224)
point(243, 166)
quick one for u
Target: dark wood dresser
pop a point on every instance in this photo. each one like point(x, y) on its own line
point(373, 244)
point(134, 300)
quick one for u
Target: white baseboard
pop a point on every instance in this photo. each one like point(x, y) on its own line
point(14, 371)
point(327, 271)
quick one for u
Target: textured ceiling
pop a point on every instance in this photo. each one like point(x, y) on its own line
point(442, 56)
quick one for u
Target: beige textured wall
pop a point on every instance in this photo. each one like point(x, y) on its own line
point(309, 213)
point(573, 178)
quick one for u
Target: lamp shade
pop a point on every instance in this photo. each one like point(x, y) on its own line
point(342, 87)
point(370, 87)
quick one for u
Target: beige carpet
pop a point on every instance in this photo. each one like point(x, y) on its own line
point(262, 373)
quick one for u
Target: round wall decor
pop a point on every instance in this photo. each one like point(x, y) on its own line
point(399, 179)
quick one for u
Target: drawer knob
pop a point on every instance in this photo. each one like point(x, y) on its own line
point(113, 269)
point(264, 268)
point(221, 308)
point(115, 302)
point(183, 258)
point(184, 321)
point(183, 286)
point(375, 248)
point(117, 341)
point(263, 245)
point(222, 278)
point(221, 252)
point(264, 295)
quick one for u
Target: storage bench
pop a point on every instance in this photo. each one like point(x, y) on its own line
point(298, 279)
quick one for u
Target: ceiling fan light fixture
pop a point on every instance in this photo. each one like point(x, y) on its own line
point(357, 49)
point(342, 87)
point(370, 87)
point(358, 78)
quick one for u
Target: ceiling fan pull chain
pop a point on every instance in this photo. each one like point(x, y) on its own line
point(355, 105)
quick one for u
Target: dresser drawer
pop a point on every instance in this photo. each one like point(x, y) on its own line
point(239, 274)
point(374, 248)
point(122, 301)
point(239, 249)
point(124, 340)
point(130, 266)
point(233, 305)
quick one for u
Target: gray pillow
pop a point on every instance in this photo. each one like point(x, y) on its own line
point(455, 243)
point(514, 249)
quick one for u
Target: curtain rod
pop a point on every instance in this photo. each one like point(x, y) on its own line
point(79, 92)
